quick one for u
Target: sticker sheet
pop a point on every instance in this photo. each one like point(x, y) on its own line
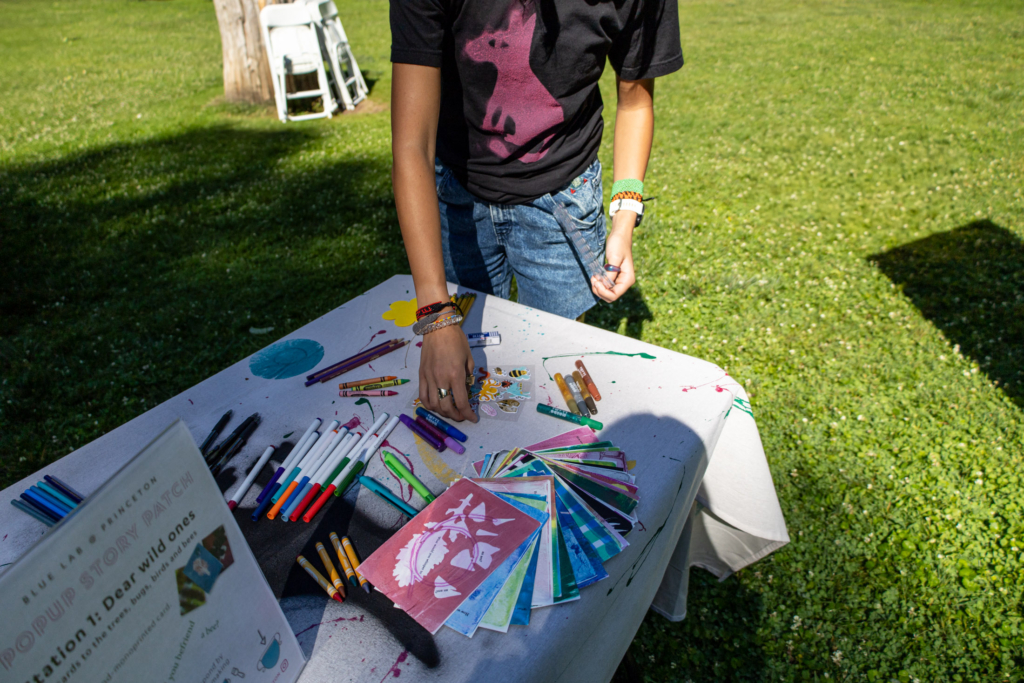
point(502, 392)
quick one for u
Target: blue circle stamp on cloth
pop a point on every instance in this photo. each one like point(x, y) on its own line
point(286, 359)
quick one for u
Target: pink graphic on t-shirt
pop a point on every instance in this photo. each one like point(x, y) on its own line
point(520, 109)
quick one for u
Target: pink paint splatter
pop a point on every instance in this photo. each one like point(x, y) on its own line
point(372, 338)
point(419, 344)
point(331, 621)
point(353, 423)
point(190, 401)
point(394, 671)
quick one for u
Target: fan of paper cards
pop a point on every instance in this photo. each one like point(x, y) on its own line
point(530, 531)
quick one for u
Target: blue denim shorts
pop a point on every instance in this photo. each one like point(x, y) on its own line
point(486, 244)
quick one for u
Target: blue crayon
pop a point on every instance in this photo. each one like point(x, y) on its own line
point(440, 424)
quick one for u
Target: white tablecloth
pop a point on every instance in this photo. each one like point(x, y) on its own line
point(707, 497)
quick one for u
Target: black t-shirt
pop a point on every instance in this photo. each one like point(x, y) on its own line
point(520, 105)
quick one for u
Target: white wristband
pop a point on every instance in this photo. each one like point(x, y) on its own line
point(628, 205)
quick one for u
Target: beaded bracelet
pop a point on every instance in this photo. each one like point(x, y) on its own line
point(625, 194)
point(445, 322)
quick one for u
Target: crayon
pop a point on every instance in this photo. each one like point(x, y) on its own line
point(589, 379)
point(388, 497)
point(403, 472)
point(577, 396)
point(319, 578)
point(346, 393)
point(585, 391)
point(362, 382)
point(354, 559)
point(346, 564)
point(569, 417)
point(440, 424)
point(377, 385)
point(351, 358)
point(329, 566)
point(566, 394)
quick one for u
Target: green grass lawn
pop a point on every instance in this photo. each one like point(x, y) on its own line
point(839, 222)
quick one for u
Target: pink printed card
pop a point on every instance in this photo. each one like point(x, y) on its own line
point(444, 553)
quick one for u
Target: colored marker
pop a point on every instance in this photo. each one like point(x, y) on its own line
point(612, 269)
point(318, 577)
point(312, 451)
point(439, 435)
point(56, 502)
point(378, 385)
point(233, 449)
point(364, 382)
point(585, 391)
point(354, 559)
point(64, 488)
point(293, 466)
point(417, 429)
point(353, 393)
point(38, 502)
point(440, 424)
point(267, 490)
point(384, 493)
point(577, 396)
point(566, 394)
point(32, 512)
point(220, 449)
point(258, 512)
point(367, 447)
point(569, 417)
point(589, 379)
point(403, 472)
point(240, 493)
point(208, 441)
point(329, 566)
point(306, 483)
point(346, 564)
point(317, 481)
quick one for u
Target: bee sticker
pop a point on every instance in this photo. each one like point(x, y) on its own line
point(519, 373)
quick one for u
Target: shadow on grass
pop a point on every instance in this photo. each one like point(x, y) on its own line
point(718, 640)
point(970, 283)
point(135, 271)
point(626, 316)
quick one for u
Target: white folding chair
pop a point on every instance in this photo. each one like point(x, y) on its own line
point(348, 80)
point(293, 49)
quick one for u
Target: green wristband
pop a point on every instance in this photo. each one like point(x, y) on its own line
point(627, 185)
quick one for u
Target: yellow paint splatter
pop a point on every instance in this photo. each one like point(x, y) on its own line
point(630, 464)
point(438, 467)
point(402, 312)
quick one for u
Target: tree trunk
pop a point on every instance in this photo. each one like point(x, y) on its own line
point(246, 69)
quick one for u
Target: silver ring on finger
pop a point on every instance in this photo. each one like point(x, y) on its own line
point(443, 393)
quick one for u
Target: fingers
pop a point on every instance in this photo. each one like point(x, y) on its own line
point(624, 282)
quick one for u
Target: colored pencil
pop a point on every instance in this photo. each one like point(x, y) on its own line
point(250, 478)
point(56, 494)
point(221, 423)
point(32, 512)
point(288, 460)
point(349, 359)
point(388, 497)
point(357, 361)
point(64, 488)
point(53, 500)
point(319, 578)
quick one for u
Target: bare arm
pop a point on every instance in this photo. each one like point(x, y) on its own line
point(415, 103)
point(634, 135)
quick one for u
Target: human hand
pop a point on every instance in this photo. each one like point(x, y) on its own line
point(445, 363)
point(619, 253)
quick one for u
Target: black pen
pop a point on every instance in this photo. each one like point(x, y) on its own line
point(216, 451)
point(216, 430)
point(237, 445)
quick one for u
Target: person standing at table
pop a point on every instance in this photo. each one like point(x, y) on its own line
point(496, 115)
